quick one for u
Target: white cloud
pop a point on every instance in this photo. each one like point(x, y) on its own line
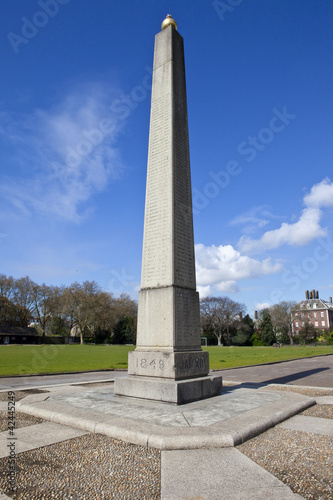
point(204, 291)
point(321, 194)
point(299, 233)
point(229, 286)
point(262, 305)
point(221, 267)
point(65, 154)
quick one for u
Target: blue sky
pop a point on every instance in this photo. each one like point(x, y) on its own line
point(74, 124)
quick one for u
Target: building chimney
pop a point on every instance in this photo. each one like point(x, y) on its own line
point(307, 296)
point(330, 300)
point(310, 295)
point(317, 294)
point(313, 294)
point(255, 314)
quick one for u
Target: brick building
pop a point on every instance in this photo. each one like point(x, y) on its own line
point(313, 310)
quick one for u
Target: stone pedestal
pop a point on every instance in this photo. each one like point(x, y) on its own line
point(168, 363)
point(169, 391)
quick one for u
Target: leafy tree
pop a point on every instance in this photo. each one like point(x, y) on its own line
point(101, 335)
point(222, 316)
point(124, 331)
point(58, 326)
point(94, 312)
point(307, 334)
point(256, 341)
point(244, 332)
point(12, 315)
point(266, 328)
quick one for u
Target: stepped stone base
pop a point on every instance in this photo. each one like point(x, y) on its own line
point(169, 391)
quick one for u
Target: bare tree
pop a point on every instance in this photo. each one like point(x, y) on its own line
point(221, 315)
point(45, 303)
point(79, 305)
point(7, 286)
point(24, 296)
point(281, 318)
point(124, 306)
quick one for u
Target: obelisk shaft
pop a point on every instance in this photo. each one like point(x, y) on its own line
point(168, 247)
point(168, 315)
point(168, 363)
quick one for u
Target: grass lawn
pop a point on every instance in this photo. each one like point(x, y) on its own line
point(27, 360)
point(230, 357)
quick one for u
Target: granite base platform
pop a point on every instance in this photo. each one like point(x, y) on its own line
point(221, 421)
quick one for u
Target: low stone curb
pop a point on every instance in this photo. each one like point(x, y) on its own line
point(227, 433)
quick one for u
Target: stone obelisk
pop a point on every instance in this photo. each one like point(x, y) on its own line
point(168, 363)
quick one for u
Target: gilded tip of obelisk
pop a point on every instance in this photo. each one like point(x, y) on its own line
point(167, 21)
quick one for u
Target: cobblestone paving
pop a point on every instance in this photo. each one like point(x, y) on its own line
point(322, 411)
point(91, 467)
point(21, 420)
point(306, 391)
point(98, 467)
point(302, 460)
point(20, 394)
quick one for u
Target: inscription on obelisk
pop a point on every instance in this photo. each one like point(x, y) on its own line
point(168, 363)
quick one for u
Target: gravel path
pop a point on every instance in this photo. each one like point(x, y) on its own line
point(20, 394)
point(97, 467)
point(321, 411)
point(306, 391)
point(302, 461)
point(21, 420)
point(91, 467)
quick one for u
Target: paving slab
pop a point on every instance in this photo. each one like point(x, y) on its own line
point(222, 421)
point(316, 371)
point(314, 425)
point(41, 381)
point(36, 436)
point(215, 474)
point(4, 497)
point(324, 400)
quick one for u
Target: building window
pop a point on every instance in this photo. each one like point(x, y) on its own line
point(323, 323)
point(315, 315)
point(303, 323)
point(296, 323)
point(316, 323)
point(322, 314)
